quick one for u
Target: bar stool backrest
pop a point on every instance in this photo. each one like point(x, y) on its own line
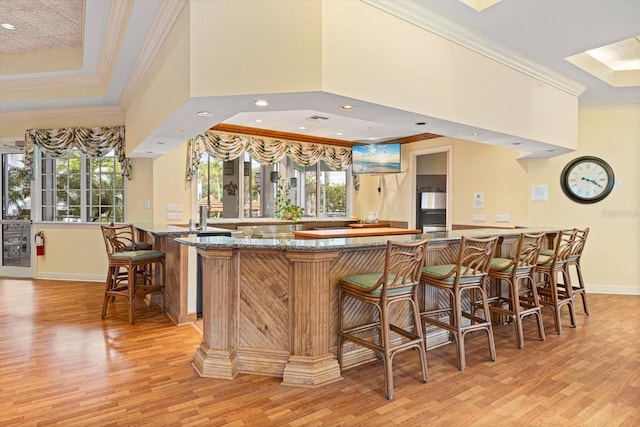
point(562, 249)
point(525, 253)
point(118, 238)
point(578, 243)
point(403, 264)
point(474, 257)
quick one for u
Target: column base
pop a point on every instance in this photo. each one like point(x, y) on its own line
point(215, 363)
point(311, 372)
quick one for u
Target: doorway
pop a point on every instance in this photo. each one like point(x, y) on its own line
point(431, 179)
point(16, 217)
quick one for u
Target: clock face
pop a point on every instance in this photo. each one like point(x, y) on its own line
point(587, 179)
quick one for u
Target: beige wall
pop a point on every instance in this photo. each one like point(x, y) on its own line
point(247, 47)
point(140, 190)
point(371, 55)
point(165, 86)
point(72, 252)
point(612, 254)
point(475, 168)
point(171, 187)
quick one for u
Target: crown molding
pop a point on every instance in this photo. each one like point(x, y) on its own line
point(163, 23)
point(63, 113)
point(119, 14)
point(415, 14)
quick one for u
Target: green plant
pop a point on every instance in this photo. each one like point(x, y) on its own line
point(285, 208)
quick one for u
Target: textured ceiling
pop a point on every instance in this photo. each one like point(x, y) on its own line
point(41, 24)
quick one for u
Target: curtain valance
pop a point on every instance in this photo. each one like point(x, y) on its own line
point(93, 142)
point(265, 150)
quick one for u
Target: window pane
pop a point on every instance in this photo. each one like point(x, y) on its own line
point(17, 190)
point(333, 192)
point(210, 183)
point(84, 185)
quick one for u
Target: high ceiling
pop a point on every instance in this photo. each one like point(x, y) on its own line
point(541, 33)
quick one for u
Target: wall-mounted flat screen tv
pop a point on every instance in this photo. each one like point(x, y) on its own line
point(375, 158)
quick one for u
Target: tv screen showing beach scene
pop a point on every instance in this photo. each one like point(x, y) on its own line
point(375, 158)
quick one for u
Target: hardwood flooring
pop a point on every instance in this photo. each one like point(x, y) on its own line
point(61, 364)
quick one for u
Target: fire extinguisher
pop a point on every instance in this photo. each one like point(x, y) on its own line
point(39, 243)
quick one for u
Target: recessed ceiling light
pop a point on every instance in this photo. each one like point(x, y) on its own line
point(347, 107)
point(205, 114)
point(475, 134)
point(178, 131)
point(8, 26)
point(339, 133)
point(301, 127)
point(258, 120)
point(261, 103)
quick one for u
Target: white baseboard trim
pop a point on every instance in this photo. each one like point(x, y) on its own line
point(72, 277)
point(614, 290)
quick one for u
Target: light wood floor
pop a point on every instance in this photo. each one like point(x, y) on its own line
point(61, 364)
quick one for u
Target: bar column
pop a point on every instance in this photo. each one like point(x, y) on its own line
point(216, 357)
point(311, 363)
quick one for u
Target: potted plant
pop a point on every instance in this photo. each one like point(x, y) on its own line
point(285, 208)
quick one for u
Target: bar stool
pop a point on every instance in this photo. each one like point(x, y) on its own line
point(397, 283)
point(468, 275)
point(552, 293)
point(517, 271)
point(139, 277)
point(574, 260)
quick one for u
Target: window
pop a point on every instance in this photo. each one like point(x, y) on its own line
point(322, 190)
point(16, 188)
point(245, 182)
point(76, 188)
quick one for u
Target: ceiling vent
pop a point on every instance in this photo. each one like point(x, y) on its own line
point(316, 118)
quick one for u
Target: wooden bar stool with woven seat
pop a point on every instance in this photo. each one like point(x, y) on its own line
point(468, 275)
point(574, 260)
point(139, 277)
point(396, 283)
point(521, 298)
point(552, 293)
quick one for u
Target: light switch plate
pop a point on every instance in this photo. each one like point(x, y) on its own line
point(479, 218)
point(501, 218)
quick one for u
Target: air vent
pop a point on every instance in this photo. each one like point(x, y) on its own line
point(316, 118)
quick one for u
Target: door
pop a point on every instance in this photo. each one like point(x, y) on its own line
point(16, 235)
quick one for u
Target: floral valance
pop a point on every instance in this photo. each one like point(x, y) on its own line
point(226, 146)
point(93, 142)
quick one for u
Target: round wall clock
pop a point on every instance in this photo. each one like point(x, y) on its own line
point(587, 179)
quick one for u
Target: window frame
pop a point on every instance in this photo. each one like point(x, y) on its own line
point(85, 191)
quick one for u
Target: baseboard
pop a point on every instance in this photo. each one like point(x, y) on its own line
point(72, 277)
point(614, 290)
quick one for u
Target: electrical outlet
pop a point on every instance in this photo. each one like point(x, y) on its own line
point(479, 218)
point(501, 218)
point(147, 204)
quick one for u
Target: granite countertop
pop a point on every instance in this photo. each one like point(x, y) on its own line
point(315, 245)
point(160, 229)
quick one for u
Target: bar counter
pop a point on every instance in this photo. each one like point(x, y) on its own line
point(270, 305)
point(180, 260)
